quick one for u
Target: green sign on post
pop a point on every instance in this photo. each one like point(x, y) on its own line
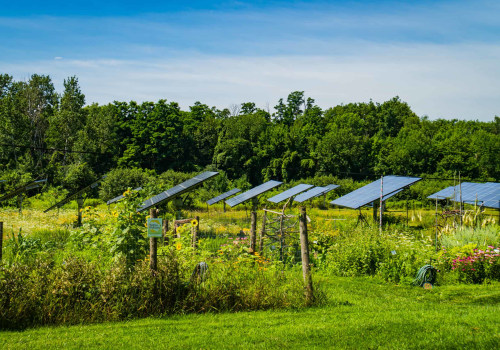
point(155, 227)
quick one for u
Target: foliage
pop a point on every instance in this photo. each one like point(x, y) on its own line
point(299, 140)
point(127, 238)
point(395, 256)
point(471, 264)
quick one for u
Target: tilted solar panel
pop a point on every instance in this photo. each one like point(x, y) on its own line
point(485, 194)
point(76, 194)
point(27, 187)
point(177, 190)
point(254, 192)
point(120, 197)
point(443, 194)
point(315, 192)
point(290, 193)
point(371, 192)
point(492, 199)
point(223, 196)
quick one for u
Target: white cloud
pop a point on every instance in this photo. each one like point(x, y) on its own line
point(453, 81)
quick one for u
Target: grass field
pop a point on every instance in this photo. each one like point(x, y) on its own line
point(362, 313)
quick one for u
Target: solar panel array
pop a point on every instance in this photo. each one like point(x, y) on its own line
point(371, 192)
point(177, 190)
point(447, 192)
point(254, 192)
point(223, 196)
point(315, 192)
point(24, 188)
point(486, 194)
point(76, 194)
point(290, 193)
point(120, 197)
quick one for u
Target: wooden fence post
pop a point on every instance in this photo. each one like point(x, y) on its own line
point(166, 238)
point(79, 202)
point(153, 252)
point(262, 233)
point(304, 247)
point(195, 231)
point(1, 240)
point(253, 229)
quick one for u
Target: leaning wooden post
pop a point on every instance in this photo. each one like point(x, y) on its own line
point(153, 252)
point(253, 229)
point(196, 230)
point(304, 247)
point(1, 240)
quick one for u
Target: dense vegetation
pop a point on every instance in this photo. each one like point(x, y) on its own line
point(43, 133)
point(55, 272)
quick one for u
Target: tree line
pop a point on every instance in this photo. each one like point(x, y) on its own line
point(46, 133)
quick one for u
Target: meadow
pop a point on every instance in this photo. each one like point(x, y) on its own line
point(91, 286)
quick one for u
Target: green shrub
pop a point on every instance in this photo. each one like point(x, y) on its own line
point(395, 256)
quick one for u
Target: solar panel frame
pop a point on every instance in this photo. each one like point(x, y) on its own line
point(223, 196)
point(486, 194)
point(177, 190)
point(371, 192)
point(290, 193)
point(315, 192)
point(76, 194)
point(24, 188)
point(254, 192)
point(120, 197)
point(443, 194)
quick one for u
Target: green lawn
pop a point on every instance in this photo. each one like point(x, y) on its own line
point(362, 313)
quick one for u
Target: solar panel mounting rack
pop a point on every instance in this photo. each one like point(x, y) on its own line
point(252, 193)
point(75, 195)
point(290, 193)
point(120, 197)
point(22, 189)
point(371, 192)
point(177, 190)
point(315, 192)
point(223, 196)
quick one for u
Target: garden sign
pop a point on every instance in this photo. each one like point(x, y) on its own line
point(155, 227)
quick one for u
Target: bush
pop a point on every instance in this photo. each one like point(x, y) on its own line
point(118, 180)
point(471, 264)
point(394, 256)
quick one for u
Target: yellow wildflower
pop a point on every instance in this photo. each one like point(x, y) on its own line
point(178, 246)
point(194, 222)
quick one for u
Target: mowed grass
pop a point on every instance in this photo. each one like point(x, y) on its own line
point(361, 313)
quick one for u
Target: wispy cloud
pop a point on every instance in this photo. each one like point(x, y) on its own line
point(440, 57)
point(453, 82)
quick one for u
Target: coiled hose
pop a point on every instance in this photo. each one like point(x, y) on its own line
point(426, 274)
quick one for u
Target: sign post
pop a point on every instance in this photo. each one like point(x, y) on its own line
point(155, 231)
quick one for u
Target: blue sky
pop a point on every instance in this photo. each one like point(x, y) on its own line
point(439, 56)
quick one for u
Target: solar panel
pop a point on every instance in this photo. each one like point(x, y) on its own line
point(254, 192)
point(486, 194)
point(76, 194)
point(177, 190)
point(443, 194)
point(223, 196)
point(24, 188)
point(492, 199)
point(315, 192)
point(290, 193)
point(371, 192)
point(120, 197)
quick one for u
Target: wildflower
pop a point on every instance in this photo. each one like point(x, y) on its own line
point(178, 246)
point(194, 222)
